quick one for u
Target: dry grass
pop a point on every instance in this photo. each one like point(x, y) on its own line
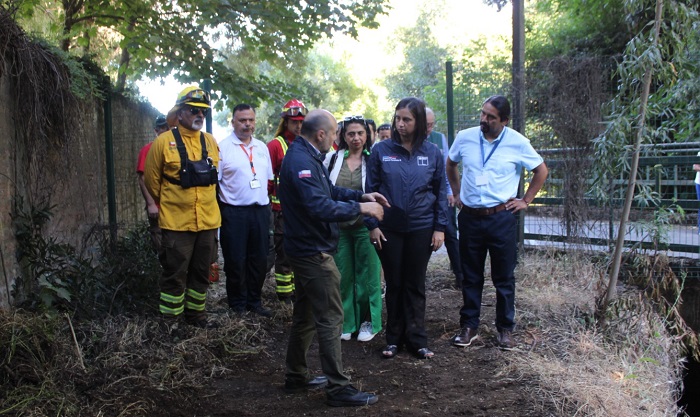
point(115, 362)
point(125, 366)
point(629, 368)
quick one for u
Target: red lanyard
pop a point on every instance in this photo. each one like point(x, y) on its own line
point(250, 157)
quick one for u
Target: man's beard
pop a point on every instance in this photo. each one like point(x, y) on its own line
point(197, 124)
point(484, 127)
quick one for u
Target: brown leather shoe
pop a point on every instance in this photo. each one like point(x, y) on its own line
point(465, 337)
point(505, 339)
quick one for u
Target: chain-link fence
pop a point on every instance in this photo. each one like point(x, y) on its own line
point(132, 129)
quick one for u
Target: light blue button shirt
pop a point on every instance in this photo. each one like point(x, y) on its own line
point(490, 183)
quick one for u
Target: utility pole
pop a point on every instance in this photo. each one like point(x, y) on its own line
point(518, 108)
point(518, 71)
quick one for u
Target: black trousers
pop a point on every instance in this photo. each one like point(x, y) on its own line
point(404, 258)
point(244, 240)
point(452, 242)
point(496, 235)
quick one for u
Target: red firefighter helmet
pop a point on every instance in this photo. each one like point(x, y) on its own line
point(294, 110)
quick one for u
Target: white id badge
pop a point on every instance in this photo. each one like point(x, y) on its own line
point(255, 184)
point(482, 179)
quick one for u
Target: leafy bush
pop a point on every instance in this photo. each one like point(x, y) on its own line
point(119, 279)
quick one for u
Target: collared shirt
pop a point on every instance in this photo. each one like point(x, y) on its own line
point(238, 186)
point(182, 209)
point(491, 177)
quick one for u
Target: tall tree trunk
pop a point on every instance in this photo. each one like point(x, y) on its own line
point(124, 62)
point(631, 185)
point(70, 9)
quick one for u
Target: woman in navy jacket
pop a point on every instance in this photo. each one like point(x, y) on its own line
point(409, 172)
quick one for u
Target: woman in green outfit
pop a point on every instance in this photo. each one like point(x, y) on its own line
point(357, 260)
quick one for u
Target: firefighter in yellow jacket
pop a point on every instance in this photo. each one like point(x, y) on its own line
point(180, 174)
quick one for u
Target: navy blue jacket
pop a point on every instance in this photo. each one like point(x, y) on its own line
point(414, 184)
point(311, 204)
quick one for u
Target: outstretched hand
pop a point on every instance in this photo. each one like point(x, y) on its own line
point(376, 197)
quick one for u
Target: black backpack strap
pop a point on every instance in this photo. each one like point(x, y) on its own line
point(205, 154)
point(334, 158)
point(183, 154)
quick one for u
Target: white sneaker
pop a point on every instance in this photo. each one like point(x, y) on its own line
point(365, 334)
point(345, 336)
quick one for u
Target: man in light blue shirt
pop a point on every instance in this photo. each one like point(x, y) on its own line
point(492, 157)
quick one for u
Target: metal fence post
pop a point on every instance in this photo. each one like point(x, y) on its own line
point(518, 74)
point(206, 86)
point(449, 94)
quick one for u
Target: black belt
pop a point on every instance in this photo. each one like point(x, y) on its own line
point(242, 207)
point(484, 211)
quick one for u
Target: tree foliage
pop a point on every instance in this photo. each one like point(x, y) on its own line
point(422, 72)
point(582, 27)
point(317, 77)
point(187, 38)
point(481, 68)
point(673, 105)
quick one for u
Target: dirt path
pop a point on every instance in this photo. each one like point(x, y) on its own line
point(473, 381)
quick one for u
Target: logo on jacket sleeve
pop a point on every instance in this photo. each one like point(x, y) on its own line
point(305, 173)
point(391, 158)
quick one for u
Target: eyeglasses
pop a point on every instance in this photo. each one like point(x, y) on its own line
point(196, 110)
point(295, 111)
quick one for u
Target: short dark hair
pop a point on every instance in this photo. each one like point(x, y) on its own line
point(372, 124)
point(417, 108)
point(501, 104)
point(241, 107)
point(384, 126)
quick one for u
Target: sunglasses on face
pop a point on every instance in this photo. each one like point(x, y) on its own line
point(196, 110)
point(295, 111)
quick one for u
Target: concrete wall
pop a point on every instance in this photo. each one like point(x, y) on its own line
point(72, 176)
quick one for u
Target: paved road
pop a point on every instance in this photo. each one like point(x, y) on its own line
point(636, 231)
point(677, 234)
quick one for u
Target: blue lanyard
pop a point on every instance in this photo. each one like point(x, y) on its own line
point(481, 142)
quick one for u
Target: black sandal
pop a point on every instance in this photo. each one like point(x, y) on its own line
point(390, 351)
point(424, 353)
